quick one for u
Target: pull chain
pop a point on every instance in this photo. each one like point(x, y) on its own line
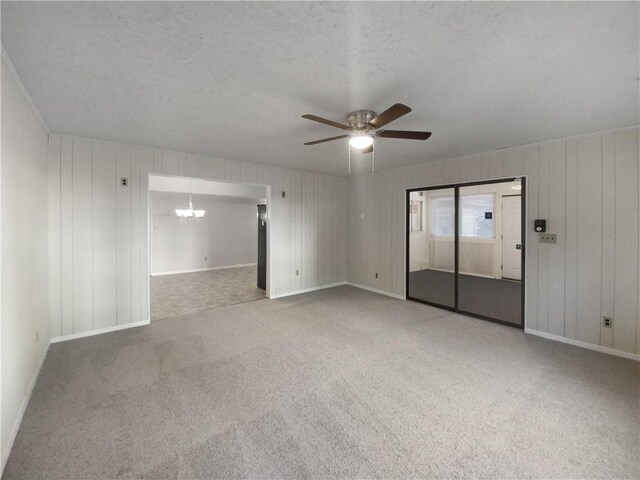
point(349, 148)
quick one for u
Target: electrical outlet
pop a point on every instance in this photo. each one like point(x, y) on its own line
point(297, 272)
point(124, 181)
point(377, 275)
point(284, 194)
point(607, 322)
point(548, 238)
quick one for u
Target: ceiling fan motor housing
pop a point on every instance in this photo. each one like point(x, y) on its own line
point(359, 119)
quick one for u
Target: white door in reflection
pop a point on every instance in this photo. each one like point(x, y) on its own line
point(512, 237)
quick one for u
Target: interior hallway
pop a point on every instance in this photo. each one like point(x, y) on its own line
point(338, 383)
point(181, 294)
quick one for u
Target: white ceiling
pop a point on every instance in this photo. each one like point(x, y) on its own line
point(231, 79)
point(160, 183)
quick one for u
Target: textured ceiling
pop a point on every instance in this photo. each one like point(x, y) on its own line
point(232, 79)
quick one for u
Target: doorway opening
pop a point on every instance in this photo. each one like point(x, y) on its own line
point(208, 244)
point(466, 248)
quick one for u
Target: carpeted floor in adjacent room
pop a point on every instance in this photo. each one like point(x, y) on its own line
point(339, 383)
point(185, 293)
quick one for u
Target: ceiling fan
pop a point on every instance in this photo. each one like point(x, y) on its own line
point(364, 125)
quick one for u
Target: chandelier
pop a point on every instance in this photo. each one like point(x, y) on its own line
point(190, 213)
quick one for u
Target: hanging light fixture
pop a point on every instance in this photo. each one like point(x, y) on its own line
point(190, 213)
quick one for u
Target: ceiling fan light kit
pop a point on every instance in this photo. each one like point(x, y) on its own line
point(364, 125)
point(361, 141)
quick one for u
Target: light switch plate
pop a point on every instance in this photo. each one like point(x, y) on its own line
point(548, 238)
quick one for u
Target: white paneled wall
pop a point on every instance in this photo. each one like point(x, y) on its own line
point(587, 189)
point(24, 325)
point(98, 229)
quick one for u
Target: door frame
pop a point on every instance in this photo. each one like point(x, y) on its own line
point(521, 221)
point(148, 229)
point(456, 188)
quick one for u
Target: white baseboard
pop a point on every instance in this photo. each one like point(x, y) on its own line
point(588, 346)
point(377, 290)
point(207, 269)
point(307, 290)
point(99, 331)
point(23, 407)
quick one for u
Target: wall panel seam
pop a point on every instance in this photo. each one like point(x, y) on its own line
point(564, 246)
point(60, 233)
point(601, 238)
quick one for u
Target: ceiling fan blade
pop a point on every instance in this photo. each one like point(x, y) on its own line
point(389, 115)
point(369, 149)
point(406, 134)
point(331, 123)
point(326, 139)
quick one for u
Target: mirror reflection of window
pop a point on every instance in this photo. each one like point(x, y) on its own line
point(477, 215)
point(416, 215)
point(442, 216)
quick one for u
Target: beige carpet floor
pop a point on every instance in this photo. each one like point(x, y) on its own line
point(181, 294)
point(339, 383)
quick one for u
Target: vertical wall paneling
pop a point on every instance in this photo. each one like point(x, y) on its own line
point(296, 223)
point(556, 253)
point(169, 165)
point(394, 208)
point(146, 167)
point(608, 233)
point(183, 165)
point(313, 245)
point(361, 225)
point(513, 162)
point(438, 173)
point(103, 231)
point(104, 235)
point(82, 234)
point(157, 161)
point(531, 169)
point(218, 167)
point(585, 186)
point(321, 219)
point(249, 173)
point(54, 217)
point(545, 154)
point(399, 256)
point(451, 171)
point(387, 184)
point(300, 224)
point(342, 226)
point(66, 237)
point(137, 217)
point(626, 241)
point(232, 171)
point(495, 164)
point(124, 258)
point(589, 238)
point(571, 239)
point(471, 168)
point(332, 222)
point(587, 189)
